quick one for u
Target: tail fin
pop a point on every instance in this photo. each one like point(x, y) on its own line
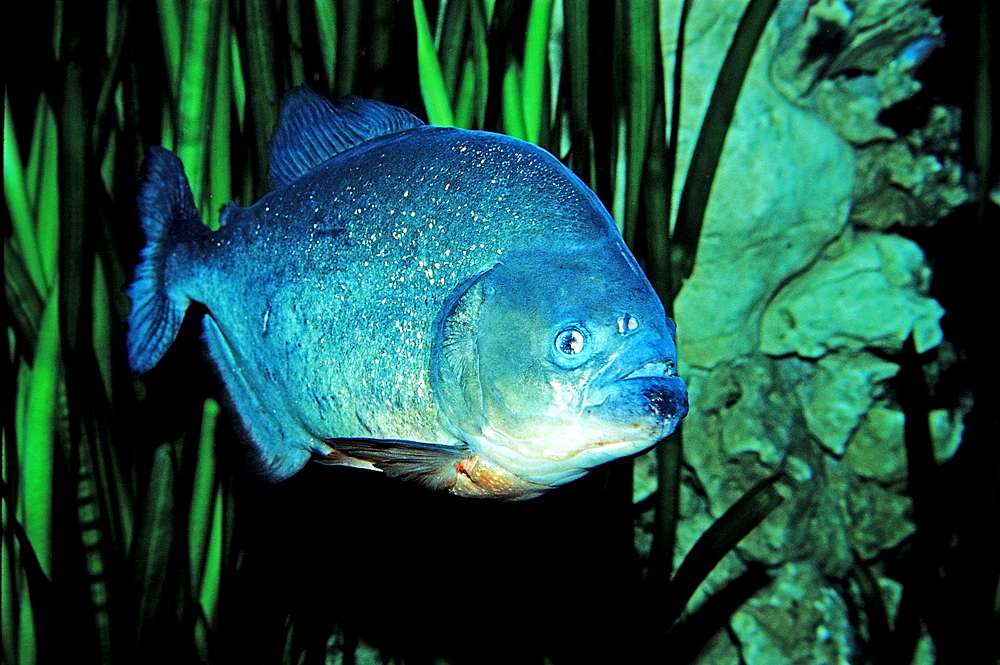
point(165, 206)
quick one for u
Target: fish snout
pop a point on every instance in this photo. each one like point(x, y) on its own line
point(649, 399)
point(667, 400)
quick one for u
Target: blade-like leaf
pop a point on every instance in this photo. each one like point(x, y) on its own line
point(36, 437)
point(533, 85)
point(200, 521)
point(513, 106)
point(152, 547)
point(718, 541)
point(432, 85)
point(326, 26)
point(19, 205)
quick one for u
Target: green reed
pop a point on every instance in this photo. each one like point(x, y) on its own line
point(30, 440)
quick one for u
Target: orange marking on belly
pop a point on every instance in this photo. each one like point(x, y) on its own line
point(480, 478)
point(465, 468)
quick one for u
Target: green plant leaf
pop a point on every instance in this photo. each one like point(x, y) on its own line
point(432, 84)
point(326, 27)
point(719, 540)
point(533, 80)
point(200, 521)
point(513, 105)
point(152, 547)
point(19, 204)
point(36, 437)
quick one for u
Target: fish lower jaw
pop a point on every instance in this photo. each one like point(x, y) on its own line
point(602, 452)
point(545, 467)
point(511, 469)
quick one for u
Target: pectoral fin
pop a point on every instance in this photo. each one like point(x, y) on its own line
point(433, 465)
point(437, 466)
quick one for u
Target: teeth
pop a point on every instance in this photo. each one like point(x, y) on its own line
point(657, 368)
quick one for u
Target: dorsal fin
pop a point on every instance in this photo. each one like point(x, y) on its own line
point(312, 129)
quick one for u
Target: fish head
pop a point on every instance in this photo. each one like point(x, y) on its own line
point(551, 364)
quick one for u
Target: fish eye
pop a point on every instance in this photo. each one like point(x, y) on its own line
point(570, 342)
point(572, 346)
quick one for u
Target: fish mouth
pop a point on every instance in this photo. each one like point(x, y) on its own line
point(649, 397)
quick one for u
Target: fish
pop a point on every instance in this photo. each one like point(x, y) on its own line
point(451, 307)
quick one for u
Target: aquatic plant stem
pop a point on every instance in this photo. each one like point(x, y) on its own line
point(533, 76)
point(643, 85)
point(983, 118)
point(684, 242)
point(669, 456)
point(669, 459)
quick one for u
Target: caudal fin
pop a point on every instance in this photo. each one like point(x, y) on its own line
point(166, 208)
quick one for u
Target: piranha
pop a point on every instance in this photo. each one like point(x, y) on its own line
point(448, 306)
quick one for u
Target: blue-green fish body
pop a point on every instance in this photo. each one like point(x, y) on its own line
point(449, 306)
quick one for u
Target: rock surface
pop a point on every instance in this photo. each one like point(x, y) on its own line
point(801, 296)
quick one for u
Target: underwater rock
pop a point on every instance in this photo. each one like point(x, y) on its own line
point(841, 391)
point(742, 429)
point(797, 619)
point(850, 61)
point(946, 428)
point(851, 64)
point(871, 295)
point(751, 424)
point(914, 181)
point(733, 279)
point(876, 449)
point(751, 410)
point(766, 220)
point(874, 517)
point(798, 295)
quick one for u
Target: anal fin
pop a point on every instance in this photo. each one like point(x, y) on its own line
point(282, 447)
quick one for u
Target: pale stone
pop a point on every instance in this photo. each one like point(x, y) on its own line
point(766, 220)
point(841, 392)
point(797, 619)
point(871, 296)
point(797, 287)
point(947, 428)
point(876, 450)
point(914, 181)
